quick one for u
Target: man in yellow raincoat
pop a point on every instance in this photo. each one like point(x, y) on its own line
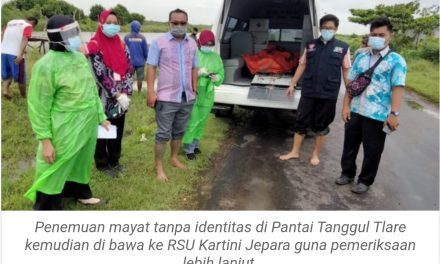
point(211, 74)
point(65, 111)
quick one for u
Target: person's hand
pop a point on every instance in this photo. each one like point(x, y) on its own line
point(106, 124)
point(289, 91)
point(123, 101)
point(151, 98)
point(203, 71)
point(393, 122)
point(214, 77)
point(346, 114)
point(83, 49)
point(48, 151)
point(18, 59)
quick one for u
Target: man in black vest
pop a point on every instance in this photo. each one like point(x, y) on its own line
point(322, 62)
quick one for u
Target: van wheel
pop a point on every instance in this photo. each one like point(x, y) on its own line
point(228, 112)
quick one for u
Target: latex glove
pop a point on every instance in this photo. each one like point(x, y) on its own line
point(203, 71)
point(123, 101)
point(214, 77)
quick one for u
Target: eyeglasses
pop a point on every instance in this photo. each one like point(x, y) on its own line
point(177, 23)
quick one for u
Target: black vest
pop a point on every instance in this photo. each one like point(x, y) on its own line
point(322, 77)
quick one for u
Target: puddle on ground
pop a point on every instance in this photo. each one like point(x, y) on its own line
point(248, 139)
point(20, 168)
point(414, 105)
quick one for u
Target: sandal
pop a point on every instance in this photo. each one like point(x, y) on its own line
point(92, 201)
point(7, 96)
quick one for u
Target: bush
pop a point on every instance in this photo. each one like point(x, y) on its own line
point(401, 42)
point(354, 41)
point(9, 12)
point(423, 78)
point(429, 49)
point(410, 53)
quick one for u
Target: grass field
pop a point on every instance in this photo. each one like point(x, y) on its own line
point(136, 189)
point(423, 78)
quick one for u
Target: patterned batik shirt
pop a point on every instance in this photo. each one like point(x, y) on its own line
point(375, 101)
point(110, 84)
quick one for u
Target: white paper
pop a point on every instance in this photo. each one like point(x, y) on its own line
point(104, 134)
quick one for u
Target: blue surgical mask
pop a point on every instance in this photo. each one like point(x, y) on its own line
point(376, 43)
point(207, 49)
point(111, 30)
point(327, 34)
point(73, 44)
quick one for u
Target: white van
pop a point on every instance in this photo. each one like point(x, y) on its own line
point(246, 27)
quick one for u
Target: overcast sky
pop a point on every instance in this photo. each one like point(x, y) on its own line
point(205, 11)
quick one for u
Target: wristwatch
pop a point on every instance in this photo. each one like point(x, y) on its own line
point(395, 113)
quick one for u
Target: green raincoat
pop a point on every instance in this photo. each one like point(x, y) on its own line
point(63, 106)
point(205, 95)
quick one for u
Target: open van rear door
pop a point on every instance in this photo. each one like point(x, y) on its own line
point(286, 24)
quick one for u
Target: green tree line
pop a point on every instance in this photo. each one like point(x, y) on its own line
point(411, 22)
point(44, 9)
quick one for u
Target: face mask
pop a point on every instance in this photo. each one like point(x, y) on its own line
point(207, 49)
point(178, 31)
point(73, 44)
point(110, 30)
point(376, 43)
point(327, 34)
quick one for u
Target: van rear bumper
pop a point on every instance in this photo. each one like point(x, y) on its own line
point(238, 95)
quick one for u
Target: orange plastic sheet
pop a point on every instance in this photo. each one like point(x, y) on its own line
point(272, 60)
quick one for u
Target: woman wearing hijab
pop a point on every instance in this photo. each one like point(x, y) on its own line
point(65, 111)
point(114, 76)
point(211, 74)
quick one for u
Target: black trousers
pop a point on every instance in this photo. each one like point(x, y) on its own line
point(315, 114)
point(108, 151)
point(360, 129)
point(53, 201)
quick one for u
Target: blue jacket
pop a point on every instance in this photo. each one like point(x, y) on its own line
point(137, 44)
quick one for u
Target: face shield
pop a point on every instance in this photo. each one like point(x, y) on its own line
point(68, 36)
point(67, 32)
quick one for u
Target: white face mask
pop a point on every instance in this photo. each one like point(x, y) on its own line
point(207, 49)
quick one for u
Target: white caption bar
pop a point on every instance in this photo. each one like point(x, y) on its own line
point(197, 237)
